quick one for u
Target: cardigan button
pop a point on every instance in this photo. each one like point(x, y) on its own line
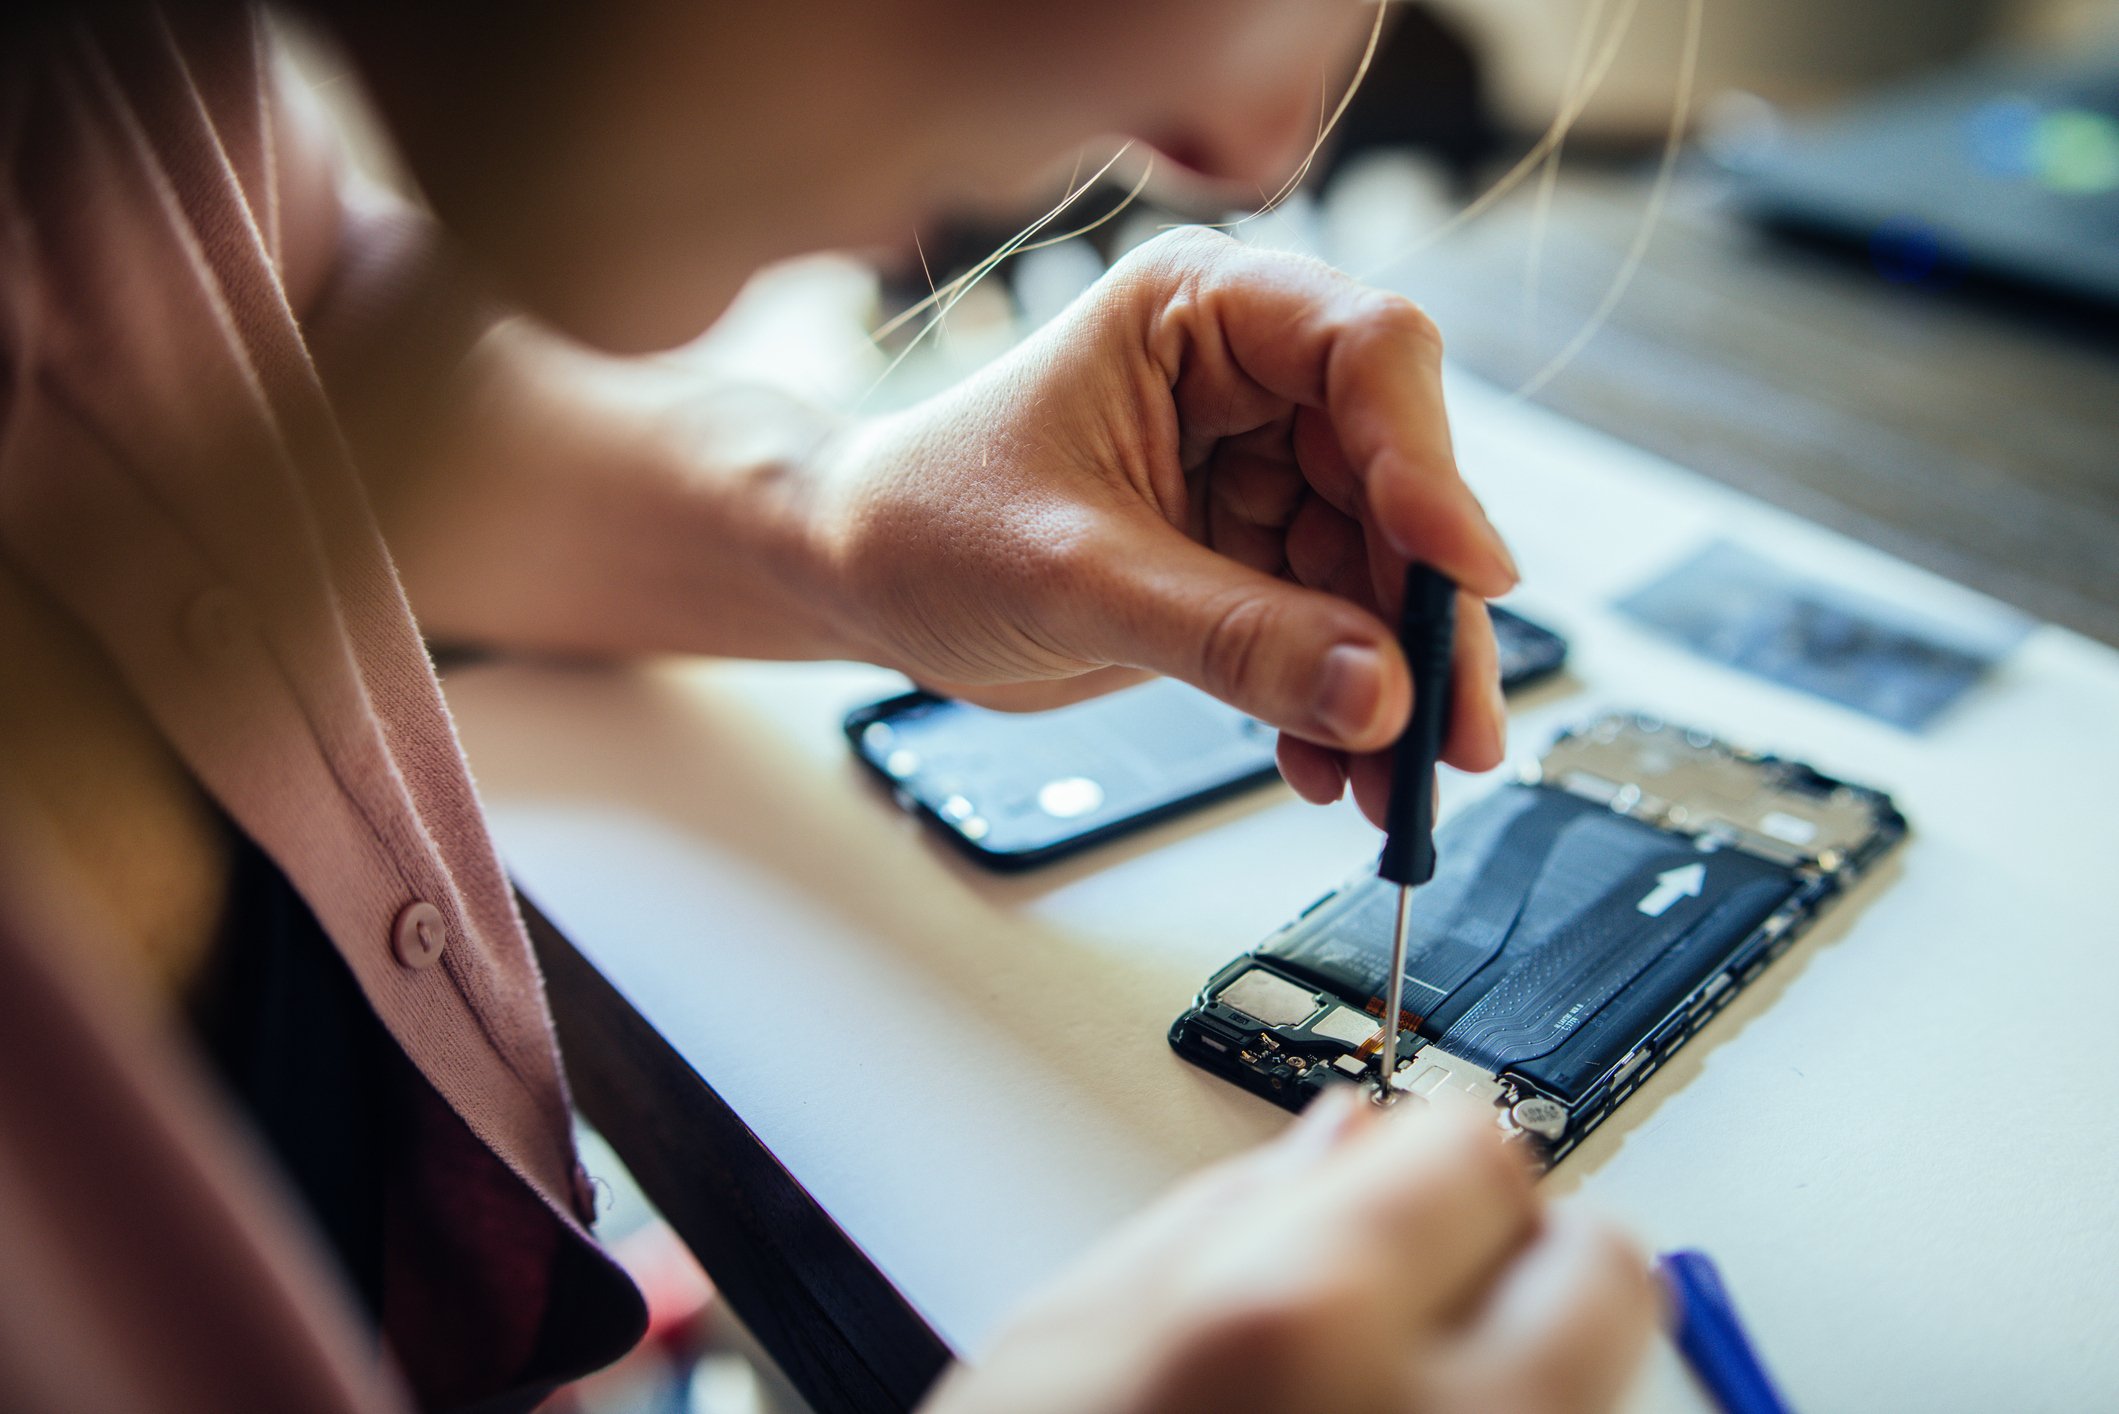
point(419, 935)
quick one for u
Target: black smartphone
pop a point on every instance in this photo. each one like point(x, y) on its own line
point(1019, 788)
point(1530, 652)
point(1015, 789)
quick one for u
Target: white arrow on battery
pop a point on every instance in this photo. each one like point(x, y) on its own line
point(1672, 885)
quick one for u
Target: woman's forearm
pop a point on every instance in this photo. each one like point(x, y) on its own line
point(568, 503)
point(541, 498)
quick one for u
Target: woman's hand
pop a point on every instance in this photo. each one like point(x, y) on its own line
point(1364, 1262)
point(1214, 466)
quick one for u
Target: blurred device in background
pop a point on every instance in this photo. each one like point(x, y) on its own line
point(1886, 660)
point(1015, 789)
point(2008, 172)
point(1538, 52)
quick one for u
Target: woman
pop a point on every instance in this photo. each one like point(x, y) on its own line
point(279, 1079)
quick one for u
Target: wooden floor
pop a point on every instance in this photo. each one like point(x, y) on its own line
point(1973, 436)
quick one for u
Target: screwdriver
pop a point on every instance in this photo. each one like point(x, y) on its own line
point(1427, 631)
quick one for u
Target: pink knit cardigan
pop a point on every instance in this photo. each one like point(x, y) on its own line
point(172, 475)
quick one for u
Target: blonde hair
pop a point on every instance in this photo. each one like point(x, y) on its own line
point(1591, 63)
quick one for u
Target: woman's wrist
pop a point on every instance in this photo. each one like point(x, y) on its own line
point(769, 501)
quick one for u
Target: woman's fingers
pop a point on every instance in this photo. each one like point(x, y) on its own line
point(1563, 1329)
point(1365, 1259)
point(1478, 724)
point(1478, 730)
point(1434, 1192)
point(1250, 502)
point(1236, 330)
point(1325, 551)
point(1303, 440)
point(1519, 1308)
point(1370, 436)
point(1324, 464)
point(1316, 773)
point(1305, 661)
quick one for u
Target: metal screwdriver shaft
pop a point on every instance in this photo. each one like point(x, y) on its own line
point(1427, 631)
point(1387, 1061)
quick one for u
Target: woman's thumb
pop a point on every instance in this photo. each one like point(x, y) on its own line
point(1305, 661)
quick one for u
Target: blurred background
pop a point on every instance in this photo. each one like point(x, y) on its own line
point(1798, 52)
point(1858, 259)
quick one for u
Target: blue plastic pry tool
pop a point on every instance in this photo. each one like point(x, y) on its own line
point(1711, 1338)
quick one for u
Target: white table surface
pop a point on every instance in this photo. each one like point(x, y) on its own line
point(1901, 1144)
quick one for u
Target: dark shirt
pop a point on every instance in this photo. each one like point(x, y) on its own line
point(299, 1049)
point(348, 1116)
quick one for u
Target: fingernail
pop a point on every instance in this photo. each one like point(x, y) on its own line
point(1499, 719)
point(1350, 691)
point(1503, 556)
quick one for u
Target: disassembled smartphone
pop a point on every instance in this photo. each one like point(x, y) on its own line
point(1015, 789)
point(1581, 925)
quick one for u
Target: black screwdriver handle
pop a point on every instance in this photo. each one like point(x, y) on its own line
point(1427, 631)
